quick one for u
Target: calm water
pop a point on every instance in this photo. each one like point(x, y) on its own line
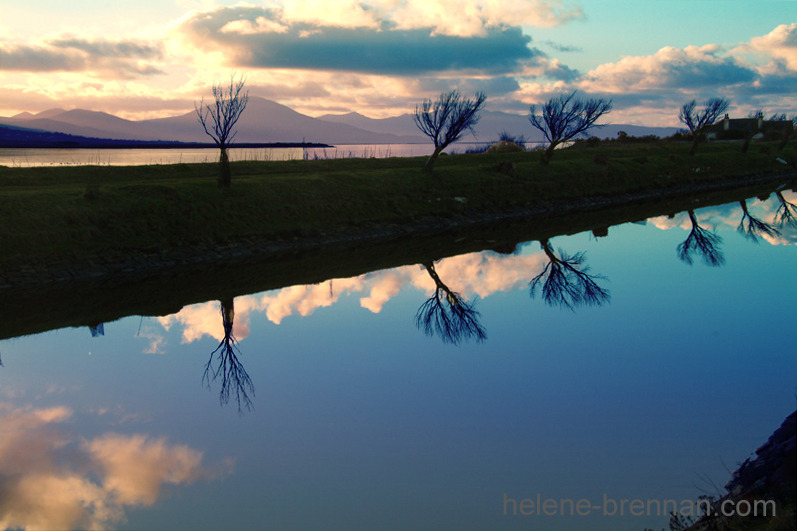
point(136, 157)
point(359, 420)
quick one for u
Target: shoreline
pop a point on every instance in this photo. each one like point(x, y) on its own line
point(139, 264)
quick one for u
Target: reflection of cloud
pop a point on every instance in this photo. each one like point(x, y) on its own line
point(205, 319)
point(156, 341)
point(729, 215)
point(135, 466)
point(48, 481)
point(479, 274)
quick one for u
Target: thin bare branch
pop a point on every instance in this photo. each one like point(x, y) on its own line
point(566, 116)
point(446, 119)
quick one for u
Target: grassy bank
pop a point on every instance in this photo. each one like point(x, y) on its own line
point(102, 210)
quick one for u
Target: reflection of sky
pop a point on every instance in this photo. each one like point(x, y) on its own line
point(362, 421)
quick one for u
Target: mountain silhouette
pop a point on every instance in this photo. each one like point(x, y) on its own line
point(266, 121)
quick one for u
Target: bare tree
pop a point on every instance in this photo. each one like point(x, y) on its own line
point(565, 116)
point(448, 314)
point(235, 381)
point(753, 228)
point(699, 121)
point(219, 119)
point(703, 242)
point(446, 119)
point(565, 281)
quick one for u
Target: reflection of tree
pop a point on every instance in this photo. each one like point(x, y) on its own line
point(703, 242)
point(753, 228)
point(448, 314)
point(786, 214)
point(566, 281)
point(235, 380)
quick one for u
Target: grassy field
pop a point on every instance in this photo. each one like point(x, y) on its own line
point(79, 211)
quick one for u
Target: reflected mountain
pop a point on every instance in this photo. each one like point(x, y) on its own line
point(565, 281)
point(448, 315)
point(702, 242)
point(224, 365)
point(754, 228)
point(786, 214)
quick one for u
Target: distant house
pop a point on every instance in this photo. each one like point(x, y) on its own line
point(754, 128)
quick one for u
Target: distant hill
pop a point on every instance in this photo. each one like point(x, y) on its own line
point(266, 121)
point(490, 126)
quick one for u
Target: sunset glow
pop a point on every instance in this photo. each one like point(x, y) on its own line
point(152, 59)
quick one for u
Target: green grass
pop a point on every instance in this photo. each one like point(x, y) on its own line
point(86, 210)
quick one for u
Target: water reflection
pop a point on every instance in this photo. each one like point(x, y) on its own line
point(364, 411)
point(702, 242)
point(565, 281)
point(754, 228)
point(786, 214)
point(447, 314)
point(51, 478)
point(235, 381)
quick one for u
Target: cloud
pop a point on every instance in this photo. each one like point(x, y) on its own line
point(125, 59)
point(254, 37)
point(690, 68)
point(51, 480)
point(779, 44)
point(463, 18)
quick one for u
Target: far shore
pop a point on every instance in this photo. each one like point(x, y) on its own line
point(149, 144)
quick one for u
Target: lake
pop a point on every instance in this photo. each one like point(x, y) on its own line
point(620, 358)
point(20, 157)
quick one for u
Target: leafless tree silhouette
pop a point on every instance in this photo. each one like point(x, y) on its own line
point(448, 315)
point(219, 119)
point(565, 116)
point(446, 119)
point(698, 121)
point(753, 228)
point(566, 281)
point(786, 214)
point(235, 381)
point(703, 242)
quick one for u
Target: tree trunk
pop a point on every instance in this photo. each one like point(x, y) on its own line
point(694, 145)
point(225, 173)
point(430, 163)
point(547, 155)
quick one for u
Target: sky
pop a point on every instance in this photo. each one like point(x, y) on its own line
point(155, 58)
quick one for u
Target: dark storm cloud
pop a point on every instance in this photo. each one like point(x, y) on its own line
point(707, 74)
point(260, 38)
point(494, 87)
point(39, 59)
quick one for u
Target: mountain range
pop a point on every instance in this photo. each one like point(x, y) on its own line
point(266, 121)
